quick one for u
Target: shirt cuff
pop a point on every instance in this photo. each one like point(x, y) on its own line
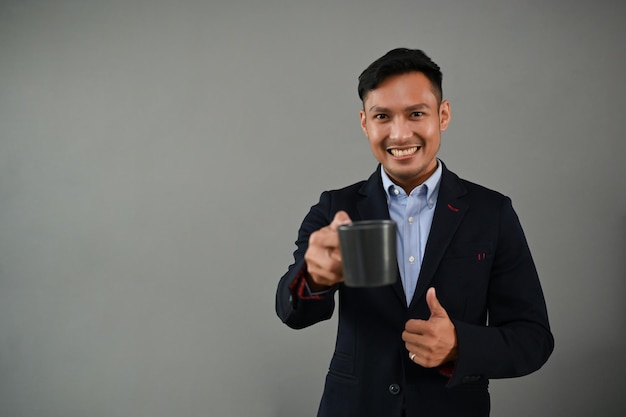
point(300, 288)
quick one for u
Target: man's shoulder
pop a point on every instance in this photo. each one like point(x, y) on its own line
point(470, 189)
point(475, 188)
point(349, 189)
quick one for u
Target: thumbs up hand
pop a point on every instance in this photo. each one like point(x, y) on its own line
point(431, 342)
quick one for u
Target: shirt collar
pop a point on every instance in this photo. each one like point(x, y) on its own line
point(431, 184)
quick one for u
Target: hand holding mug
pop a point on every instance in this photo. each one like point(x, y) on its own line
point(323, 256)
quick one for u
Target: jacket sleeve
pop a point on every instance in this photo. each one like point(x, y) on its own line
point(294, 308)
point(517, 339)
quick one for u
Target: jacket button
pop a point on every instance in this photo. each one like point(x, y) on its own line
point(394, 389)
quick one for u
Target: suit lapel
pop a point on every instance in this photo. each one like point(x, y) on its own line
point(373, 206)
point(449, 213)
point(373, 202)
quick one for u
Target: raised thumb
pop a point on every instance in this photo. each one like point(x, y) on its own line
point(341, 217)
point(435, 307)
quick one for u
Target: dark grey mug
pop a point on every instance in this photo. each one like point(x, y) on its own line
point(368, 253)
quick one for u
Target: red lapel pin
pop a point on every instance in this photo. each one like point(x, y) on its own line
point(454, 209)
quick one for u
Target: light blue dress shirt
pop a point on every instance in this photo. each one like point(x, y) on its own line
point(413, 215)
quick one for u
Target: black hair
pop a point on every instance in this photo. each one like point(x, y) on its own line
point(397, 62)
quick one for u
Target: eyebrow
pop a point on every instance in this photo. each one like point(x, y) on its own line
point(420, 106)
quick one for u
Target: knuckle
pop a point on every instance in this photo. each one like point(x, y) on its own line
point(314, 238)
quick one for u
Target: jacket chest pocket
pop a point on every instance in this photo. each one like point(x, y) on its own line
point(470, 252)
point(462, 279)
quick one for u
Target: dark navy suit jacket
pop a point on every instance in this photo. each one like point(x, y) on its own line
point(478, 260)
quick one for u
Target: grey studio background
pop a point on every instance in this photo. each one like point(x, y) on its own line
point(157, 157)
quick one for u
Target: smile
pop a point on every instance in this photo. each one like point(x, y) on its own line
point(399, 153)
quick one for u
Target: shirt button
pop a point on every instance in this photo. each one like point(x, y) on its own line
point(396, 191)
point(394, 389)
point(411, 259)
point(411, 220)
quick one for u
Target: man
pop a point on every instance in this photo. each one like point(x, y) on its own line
point(468, 305)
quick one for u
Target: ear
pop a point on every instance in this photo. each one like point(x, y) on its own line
point(444, 115)
point(363, 122)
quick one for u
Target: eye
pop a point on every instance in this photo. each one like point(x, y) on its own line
point(380, 116)
point(417, 114)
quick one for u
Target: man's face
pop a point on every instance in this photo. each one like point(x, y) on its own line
point(403, 121)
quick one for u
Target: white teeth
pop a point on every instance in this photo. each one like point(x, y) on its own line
point(403, 152)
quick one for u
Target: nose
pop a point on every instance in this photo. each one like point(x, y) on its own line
point(400, 129)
